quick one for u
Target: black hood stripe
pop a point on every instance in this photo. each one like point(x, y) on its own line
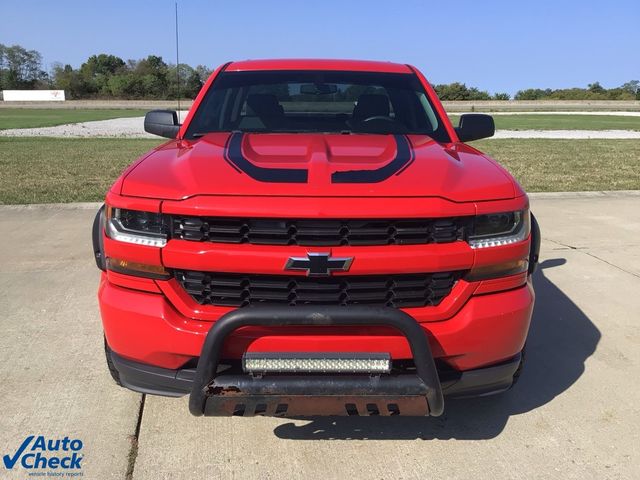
point(226, 155)
point(233, 154)
point(404, 157)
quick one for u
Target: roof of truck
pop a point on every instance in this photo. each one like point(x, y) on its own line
point(317, 64)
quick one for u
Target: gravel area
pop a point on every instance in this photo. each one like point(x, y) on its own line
point(117, 127)
point(133, 128)
point(568, 134)
point(617, 114)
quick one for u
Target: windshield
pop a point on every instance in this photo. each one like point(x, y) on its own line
point(313, 101)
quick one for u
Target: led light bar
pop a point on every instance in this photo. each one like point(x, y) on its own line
point(316, 363)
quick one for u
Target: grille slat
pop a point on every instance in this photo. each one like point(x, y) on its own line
point(232, 289)
point(328, 232)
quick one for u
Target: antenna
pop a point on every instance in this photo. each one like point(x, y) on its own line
point(177, 61)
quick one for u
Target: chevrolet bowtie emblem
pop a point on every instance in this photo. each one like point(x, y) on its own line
point(318, 264)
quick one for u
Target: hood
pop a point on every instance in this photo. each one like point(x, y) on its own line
point(318, 165)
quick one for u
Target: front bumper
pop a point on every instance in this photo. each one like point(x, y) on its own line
point(177, 383)
point(487, 330)
point(477, 351)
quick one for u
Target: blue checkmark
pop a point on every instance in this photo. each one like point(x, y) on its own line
point(10, 462)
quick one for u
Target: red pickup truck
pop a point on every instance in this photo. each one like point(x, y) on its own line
point(316, 239)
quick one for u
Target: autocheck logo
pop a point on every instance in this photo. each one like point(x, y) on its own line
point(62, 457)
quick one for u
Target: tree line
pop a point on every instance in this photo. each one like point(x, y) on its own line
point(101, 76)
point(108, 76)
point(594, 91)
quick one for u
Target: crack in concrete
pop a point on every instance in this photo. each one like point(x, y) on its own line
point(584, 250)
point(133, 452)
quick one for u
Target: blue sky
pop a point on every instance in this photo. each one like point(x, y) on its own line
point(494, 45)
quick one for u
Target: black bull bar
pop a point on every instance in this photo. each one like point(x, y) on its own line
point(313, 394)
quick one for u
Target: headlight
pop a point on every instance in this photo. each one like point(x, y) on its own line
point(134, 226)
point(495, 229)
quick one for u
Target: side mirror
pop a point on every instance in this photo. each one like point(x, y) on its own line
point(474, 126)
point(162, 122)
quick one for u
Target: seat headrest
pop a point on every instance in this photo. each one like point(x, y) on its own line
point(264, 104)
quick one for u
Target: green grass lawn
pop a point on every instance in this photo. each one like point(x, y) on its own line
point(562, 122)
point(34, 118)
point(47, 170)
point(543, 165)
point(50, 170)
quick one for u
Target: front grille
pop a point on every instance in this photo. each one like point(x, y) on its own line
point(318, 232)
point(227, 289)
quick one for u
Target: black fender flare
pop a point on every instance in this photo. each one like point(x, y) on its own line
point(534, 252)
point(97, 240)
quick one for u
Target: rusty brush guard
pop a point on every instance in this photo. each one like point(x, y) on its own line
point(316, 394)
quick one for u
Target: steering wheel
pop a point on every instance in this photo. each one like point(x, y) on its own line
point(384, 118)
point(380, 124)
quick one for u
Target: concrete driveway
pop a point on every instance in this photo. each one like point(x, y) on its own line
point(574, 414)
